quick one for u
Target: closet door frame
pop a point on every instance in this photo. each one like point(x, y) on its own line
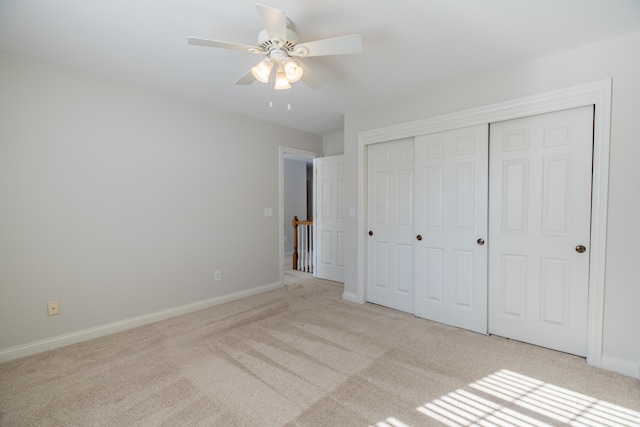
point(597, 94)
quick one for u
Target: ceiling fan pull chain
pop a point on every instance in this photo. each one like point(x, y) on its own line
point(271, 81)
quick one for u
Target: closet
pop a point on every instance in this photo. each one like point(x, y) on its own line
point(487, 228)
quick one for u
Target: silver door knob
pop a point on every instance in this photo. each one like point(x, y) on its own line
point(580, 249)
point(480, 242)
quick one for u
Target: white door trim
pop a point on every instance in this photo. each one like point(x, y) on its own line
point(596, 93)
point(282, 152)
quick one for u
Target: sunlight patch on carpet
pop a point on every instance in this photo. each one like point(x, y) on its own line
point(390, 422)
point(504, 391)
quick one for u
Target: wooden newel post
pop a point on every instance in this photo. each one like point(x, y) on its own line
point(294, 257)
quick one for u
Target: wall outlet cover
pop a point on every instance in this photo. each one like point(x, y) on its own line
point(53, 308)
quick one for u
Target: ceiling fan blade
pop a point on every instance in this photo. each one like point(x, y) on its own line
point(274, 20)
point(247, 79)
point(334, 46)
point(311, 78)
point(225, 45)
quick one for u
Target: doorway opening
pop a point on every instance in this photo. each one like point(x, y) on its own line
point(295, 198)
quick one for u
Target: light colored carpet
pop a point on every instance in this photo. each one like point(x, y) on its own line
point(300, 356)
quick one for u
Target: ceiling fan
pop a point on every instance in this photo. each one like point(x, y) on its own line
point(278, 43)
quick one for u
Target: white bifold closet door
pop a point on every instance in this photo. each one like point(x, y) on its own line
point(390, 224)
point(451, 227)
point(487, 228)
point(539, 228)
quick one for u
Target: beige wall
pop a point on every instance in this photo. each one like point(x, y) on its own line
point(333, 144)
point(119, 203)
point(614, 59)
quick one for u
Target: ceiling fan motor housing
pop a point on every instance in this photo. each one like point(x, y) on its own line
point(267, 44)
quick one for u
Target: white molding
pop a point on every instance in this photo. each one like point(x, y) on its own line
point(282, 151)
point(621, 366)
point(596, 93)
point(123, 325)
point(351, 297)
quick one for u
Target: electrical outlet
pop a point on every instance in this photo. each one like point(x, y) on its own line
point(217, 276)
point(53, 308)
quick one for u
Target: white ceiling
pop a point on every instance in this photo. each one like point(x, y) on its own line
point(409, 45)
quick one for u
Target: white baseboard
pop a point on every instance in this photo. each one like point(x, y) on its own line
point(351, 297)
point(122, 325)
point(624, 367)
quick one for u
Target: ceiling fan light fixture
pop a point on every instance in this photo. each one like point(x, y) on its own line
point(293, 70)
point(262, 70)
point(279, 43)
point(281, 80)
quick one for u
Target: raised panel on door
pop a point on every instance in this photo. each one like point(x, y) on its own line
point(390, 223)
point(329, 218)
point(540, 186)
point(450, 217)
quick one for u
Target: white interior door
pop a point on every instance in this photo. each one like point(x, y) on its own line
point(390, 224)
point(451, 227)
point(539, 210)
point(329, 218)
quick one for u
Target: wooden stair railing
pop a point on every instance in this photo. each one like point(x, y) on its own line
point(303, 240)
